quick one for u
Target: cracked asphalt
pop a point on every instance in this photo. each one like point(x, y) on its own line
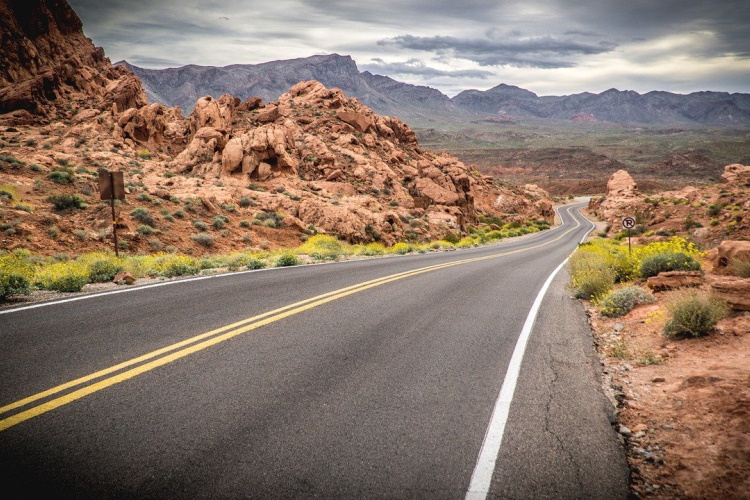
point(382, 393)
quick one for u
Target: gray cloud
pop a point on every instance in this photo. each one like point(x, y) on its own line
point(536, 52)
point(419, 68)
point(553, 46)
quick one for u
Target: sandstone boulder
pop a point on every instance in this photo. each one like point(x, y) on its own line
point(726, 253)
point(672, 280)
point(736, 174)
point(735, 291)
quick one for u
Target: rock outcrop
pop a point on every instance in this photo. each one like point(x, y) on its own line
point(49, 65)
point(623, 199)
point(736, 174)
point(734, 291)
point(727, 253)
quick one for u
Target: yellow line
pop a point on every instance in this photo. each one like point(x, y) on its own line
point(209, 339)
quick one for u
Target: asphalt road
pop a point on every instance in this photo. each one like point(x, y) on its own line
point(377, 378)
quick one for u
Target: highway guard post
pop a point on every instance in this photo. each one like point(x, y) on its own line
point(112, 187)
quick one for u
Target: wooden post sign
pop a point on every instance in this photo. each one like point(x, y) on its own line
point(112, 187)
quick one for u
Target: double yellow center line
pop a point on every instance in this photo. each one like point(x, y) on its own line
point(108, 377)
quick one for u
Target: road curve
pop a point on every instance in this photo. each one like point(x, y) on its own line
point(374, 378)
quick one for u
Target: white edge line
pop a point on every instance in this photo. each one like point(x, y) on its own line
point(481, 478)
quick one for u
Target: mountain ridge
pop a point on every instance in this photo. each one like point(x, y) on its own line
point(184, 85)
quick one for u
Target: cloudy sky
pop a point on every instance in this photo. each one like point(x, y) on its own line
point(555, 47)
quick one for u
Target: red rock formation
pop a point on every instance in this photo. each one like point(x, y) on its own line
point(48, 64)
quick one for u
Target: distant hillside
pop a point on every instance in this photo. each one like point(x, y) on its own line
point(653, 108)
point(183, 86)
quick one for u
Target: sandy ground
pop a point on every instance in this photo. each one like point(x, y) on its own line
point(684, 405)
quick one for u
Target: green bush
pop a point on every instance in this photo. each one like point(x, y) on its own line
point(401, 248)
point(171, 266)
point(219, 221)
point(622, 301)
point(66, 201)
point(203, 239)
point(694, 315)
point(591, 274)
point(286, 259)
point(102, 271)
point(323, 247)
point(661, 262)
point(145, 230)
point(142, 215)
point(200, 225)
point(15, 276)
point(62, 277)
point(62, 175)
point(255, 264)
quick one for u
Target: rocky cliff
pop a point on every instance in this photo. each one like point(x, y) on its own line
point(50, 68)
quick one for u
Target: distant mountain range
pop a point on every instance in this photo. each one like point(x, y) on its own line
point(183, 86)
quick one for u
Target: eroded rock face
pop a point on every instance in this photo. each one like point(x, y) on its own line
point(48, 63)
point(735, 291)
point(623, 199)
point(736, 174)
point(726, 253)
point(672, 280)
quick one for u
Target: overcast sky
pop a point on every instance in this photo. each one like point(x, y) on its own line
point(556, 47)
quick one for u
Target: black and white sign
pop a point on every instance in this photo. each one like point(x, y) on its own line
point(628, 222)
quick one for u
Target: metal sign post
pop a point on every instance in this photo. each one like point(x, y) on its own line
point(628, 223)
point(112, 187)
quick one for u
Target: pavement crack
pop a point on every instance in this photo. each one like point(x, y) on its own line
point(552, 391)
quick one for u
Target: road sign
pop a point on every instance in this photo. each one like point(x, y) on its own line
point(112, 187)
point(628, 222)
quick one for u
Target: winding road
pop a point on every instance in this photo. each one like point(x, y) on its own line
point(467, 374)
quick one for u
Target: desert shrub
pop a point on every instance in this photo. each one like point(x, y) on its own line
point(466, 242)
point(622, 301)
point(203, 239)
point(451, 237)
point(180, 214)
point(694, 315)
point(401, 248)
point(373, 249)
point(170, 265)
point(245, 202)
point(237, 261)
point(200, 225)
point(254, 263)
point(145, 230)
point(15, 275)
point(61, 175)
point(220, 221)
point(244, 223)
point(9, 192)
point(591, 274)
point(494, 235)
point(102, 267)
point(323, 247)
point(66, 201)
point(268, 219)
point(142, 215)
point(741, 267)
point(286, 259)
point(672, 261)
point(62, 276)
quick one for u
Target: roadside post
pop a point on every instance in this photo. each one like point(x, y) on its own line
point(112, 187)
point(628, 223)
